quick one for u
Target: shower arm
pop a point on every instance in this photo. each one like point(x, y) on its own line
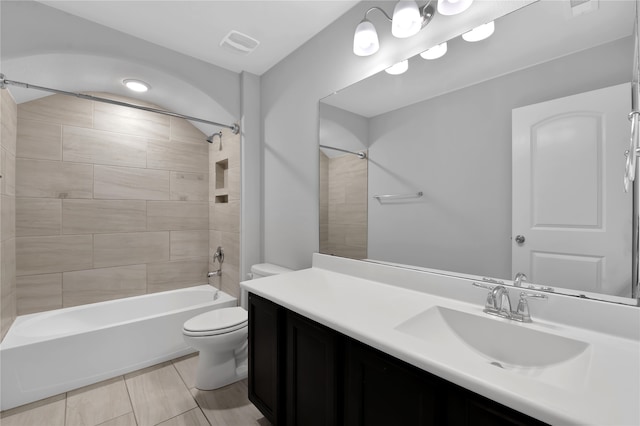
point(235, 128)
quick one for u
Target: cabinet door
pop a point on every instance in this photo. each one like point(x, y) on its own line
point(264, 357)
point(464, 407)
point(383, 391)
point(312, 391)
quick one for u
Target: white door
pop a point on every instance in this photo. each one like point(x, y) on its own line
point(569, 204)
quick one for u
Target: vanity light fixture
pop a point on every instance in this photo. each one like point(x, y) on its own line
point(480, 32)
point(136, 85)
point(399, 68)
point(435, 52)
point(408, 19)
point(453, 7)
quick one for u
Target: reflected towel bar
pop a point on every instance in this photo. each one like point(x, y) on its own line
point(397, 196)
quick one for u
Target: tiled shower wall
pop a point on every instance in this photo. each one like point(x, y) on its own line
point(111, 202)
point(224, 210)
point(8, 124)
point(345, 208)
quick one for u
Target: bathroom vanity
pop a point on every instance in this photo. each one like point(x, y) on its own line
point(350, 342)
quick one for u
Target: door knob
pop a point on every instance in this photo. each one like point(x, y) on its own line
point(520, 239)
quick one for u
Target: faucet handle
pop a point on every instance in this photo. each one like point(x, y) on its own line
point(522, 312)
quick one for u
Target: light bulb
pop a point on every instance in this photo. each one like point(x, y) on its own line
point(435, 52)
point(480, 32)
point(406, 19)
point(453, 7)
point(365, 39)
point(398, 68)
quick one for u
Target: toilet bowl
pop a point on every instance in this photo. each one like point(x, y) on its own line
point(221, 338)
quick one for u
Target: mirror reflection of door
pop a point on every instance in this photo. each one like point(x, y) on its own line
point(568, 199)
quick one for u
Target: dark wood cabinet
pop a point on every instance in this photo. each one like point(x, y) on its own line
point(312, 374)
point(380, 390)
point(266, 353)
point(302, 373)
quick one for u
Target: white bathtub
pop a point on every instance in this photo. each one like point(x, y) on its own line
point(51, 352)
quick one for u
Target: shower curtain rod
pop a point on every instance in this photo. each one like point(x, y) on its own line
point(360, 154)
point(4, 82)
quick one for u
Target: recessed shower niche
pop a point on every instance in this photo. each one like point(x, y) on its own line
point(222, 181)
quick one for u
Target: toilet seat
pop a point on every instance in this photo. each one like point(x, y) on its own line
point(219, 321)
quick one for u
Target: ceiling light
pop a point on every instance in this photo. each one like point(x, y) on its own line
point(398, 68)
point(365, 40)
point(479, 33)
point(136, 85)
point(453, 7)
point(435, 52)
point(406, 19)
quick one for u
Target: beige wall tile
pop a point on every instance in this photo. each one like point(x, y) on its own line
point(48, 412)
point(124, 183)
point(38, 216)
point(189, 186)
point(158, 394)
point(37, 293)
point(7, 217)
point(53, 179)
point(58, 109)
point(164, 276)
point(226, 216)
point(103, 216)
point(101, 147)
point(177, 215)
point(189, 244)
point(177, 155)
point(183, 130)
point(7, 284)
point(98, 285)
point(8, 181)
point(41, 255)
point(130, 248)
point(39, 140)
point(130, 121)
point(8, 122)
point(95, 404)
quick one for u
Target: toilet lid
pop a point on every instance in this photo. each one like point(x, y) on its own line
point(219, 320)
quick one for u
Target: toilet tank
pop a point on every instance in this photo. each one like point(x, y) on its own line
point(261, 270)
point(266, 270)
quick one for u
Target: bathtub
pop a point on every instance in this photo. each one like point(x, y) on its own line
point(48, 353)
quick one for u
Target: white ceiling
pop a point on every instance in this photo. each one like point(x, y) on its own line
point(195, 28)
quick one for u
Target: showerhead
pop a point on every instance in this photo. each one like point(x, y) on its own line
point(210, 138)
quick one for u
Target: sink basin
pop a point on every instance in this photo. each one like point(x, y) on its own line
point(498, 341)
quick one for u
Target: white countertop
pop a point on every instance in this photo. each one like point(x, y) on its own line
point(342, 295)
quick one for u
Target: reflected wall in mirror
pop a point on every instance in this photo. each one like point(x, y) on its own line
point(449, 128)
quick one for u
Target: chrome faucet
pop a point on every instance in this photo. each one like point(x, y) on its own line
point(499, 303)
point(519, 279)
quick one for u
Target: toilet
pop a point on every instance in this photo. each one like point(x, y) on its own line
point(221, 337)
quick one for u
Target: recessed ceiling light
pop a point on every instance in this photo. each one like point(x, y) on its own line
point(136, 85)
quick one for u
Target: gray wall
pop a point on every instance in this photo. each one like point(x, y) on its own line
point(289, 100)
point(457, 149)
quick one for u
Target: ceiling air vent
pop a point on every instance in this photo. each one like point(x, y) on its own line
point(579, 7)
point(239, 43)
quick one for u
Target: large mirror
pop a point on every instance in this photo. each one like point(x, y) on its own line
point(505, 155)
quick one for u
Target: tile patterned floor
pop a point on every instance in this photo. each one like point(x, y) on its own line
point(163, 394)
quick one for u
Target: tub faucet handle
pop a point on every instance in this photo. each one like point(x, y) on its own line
point(218, 255)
